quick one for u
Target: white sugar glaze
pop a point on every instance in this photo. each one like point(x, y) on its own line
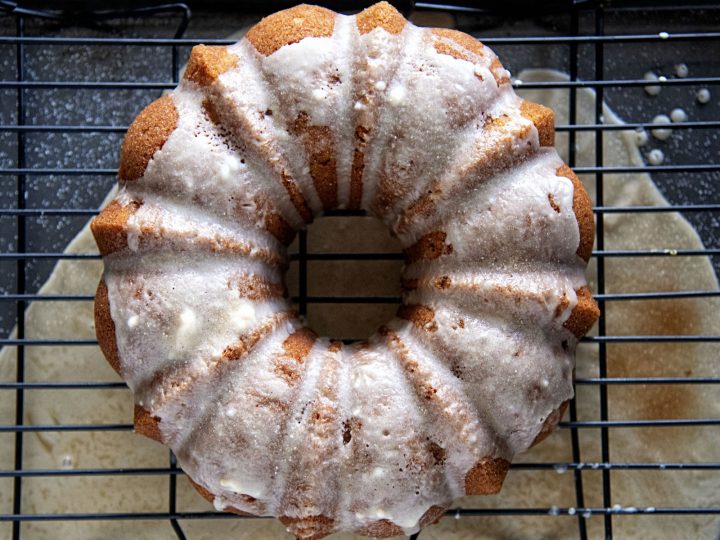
point(349, 433)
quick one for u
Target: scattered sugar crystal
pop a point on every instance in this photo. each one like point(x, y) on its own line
point(661, 133)
point(652, 90)
point(678, 115)
point(703, 96)
point(681, 70)
point(641, 137)
point(656, 156)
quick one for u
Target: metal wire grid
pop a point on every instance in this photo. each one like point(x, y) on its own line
point(22, 297)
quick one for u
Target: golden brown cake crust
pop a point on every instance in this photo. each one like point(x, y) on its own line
point(432, 515)
point(299, 343)
point(206, 64)
point(544, 120)
point(495, 68)
point(461, 38)
point(110, 231)
point(105, 327)
point(257, 288)
point(211, 498)
point(245, 343)
point(584, 314)
point(431, 246)
point(279, 228)
point(321, 526)
point(147, 424)
point(356, 186)
point(109, 227)
point(290, 26)
point(320, 146)
point(381, 529)
point(297, 198)
point(551, 423)
point(582, 206)
point(380, 15)
point(470, 44)
point(385, 528)
point(486, 477)
point(420, 316)
point(146, 135)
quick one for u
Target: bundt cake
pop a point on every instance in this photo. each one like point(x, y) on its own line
point(313, 111)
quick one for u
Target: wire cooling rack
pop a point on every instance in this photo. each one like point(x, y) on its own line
point(578, 30)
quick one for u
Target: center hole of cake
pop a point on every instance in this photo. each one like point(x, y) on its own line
point(346, 298)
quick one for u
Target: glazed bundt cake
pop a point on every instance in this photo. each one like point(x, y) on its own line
point(313, 111)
